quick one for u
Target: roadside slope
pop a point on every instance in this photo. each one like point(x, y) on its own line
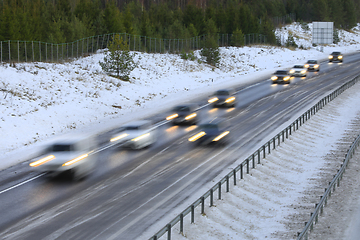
point(277, 198)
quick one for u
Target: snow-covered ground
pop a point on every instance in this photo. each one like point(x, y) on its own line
point(40, 101)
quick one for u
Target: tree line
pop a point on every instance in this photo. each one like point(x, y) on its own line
point(60, 21)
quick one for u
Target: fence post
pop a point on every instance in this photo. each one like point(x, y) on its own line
point(25, 51)
point(211, 197)
point(18, 51)
point(40, 50)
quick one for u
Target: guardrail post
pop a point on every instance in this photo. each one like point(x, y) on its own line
point(269, 147)
point(234, 173)
point(181, 223)
point(278, 139)
point(290, 129)
point(241, 171)
point(283, 135)
point(264, 154)
point(219, 193)
point(253, 161)
point(227, 184)
point(211, 197)
point(192, 213)
point(287, 135)
point(258, 154)
point(247, 166)
point(202, 205)
point(155, 237)
point(169, 231)
point(274, 145)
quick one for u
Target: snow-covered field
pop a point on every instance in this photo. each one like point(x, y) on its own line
point(40, 101)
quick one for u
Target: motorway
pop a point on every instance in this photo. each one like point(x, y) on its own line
point(132, 194)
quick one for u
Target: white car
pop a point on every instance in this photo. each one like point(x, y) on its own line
point(312, 65)
point(72, 155)
point(135, 135)
point(299, 70)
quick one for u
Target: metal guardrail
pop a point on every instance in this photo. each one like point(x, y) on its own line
point(254, 159)
point(319, 207)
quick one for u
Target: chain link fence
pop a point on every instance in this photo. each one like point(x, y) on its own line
point(35, 51)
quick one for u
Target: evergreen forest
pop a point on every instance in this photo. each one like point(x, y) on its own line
point(61, 21)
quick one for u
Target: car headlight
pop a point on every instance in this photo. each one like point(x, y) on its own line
point(330, 57)
point(274, 78)
point(175, 115)
point(119, 137)
point(42, 161)
point(190, 116)
point(220, 136)
point(231, 99)
point(75, 160)
point(340, 57)
point(292, 71)
point(140, 137)
point(286, 78)
point(303, 71)
point(214, 99)
point(316, 66)
point(306, 65)
point(197, 136)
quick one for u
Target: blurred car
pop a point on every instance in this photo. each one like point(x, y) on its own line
point(335, 56)
point(281, 76)
point(184, 114)
point(312, 65)
point(223, 98)
point(215, 131)
point(298, 70)
point(135, 135)
point(72, 155)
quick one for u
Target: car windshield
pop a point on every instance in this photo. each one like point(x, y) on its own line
point(182, 109)
point(298, 66)
point(335, 53)
point(281, 72)
point(209, 126)
point(222, 93)
point(61, 148)
point(131, 128)
point(312, 61)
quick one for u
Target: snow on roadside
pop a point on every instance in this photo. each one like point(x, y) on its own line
point(277, 197)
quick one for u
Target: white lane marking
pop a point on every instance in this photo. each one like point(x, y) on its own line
point(117, 234)
point(22, 183)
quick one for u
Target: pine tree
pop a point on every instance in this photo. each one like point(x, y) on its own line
point(210, 51)
point(118, 59)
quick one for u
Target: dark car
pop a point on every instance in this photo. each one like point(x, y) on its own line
point(214, 131)
point(184, 114)
point(336, 56)
point(281, 76)
point(312, 65)
point(223, 98)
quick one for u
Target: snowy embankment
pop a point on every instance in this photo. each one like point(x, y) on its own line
point(43, 100)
